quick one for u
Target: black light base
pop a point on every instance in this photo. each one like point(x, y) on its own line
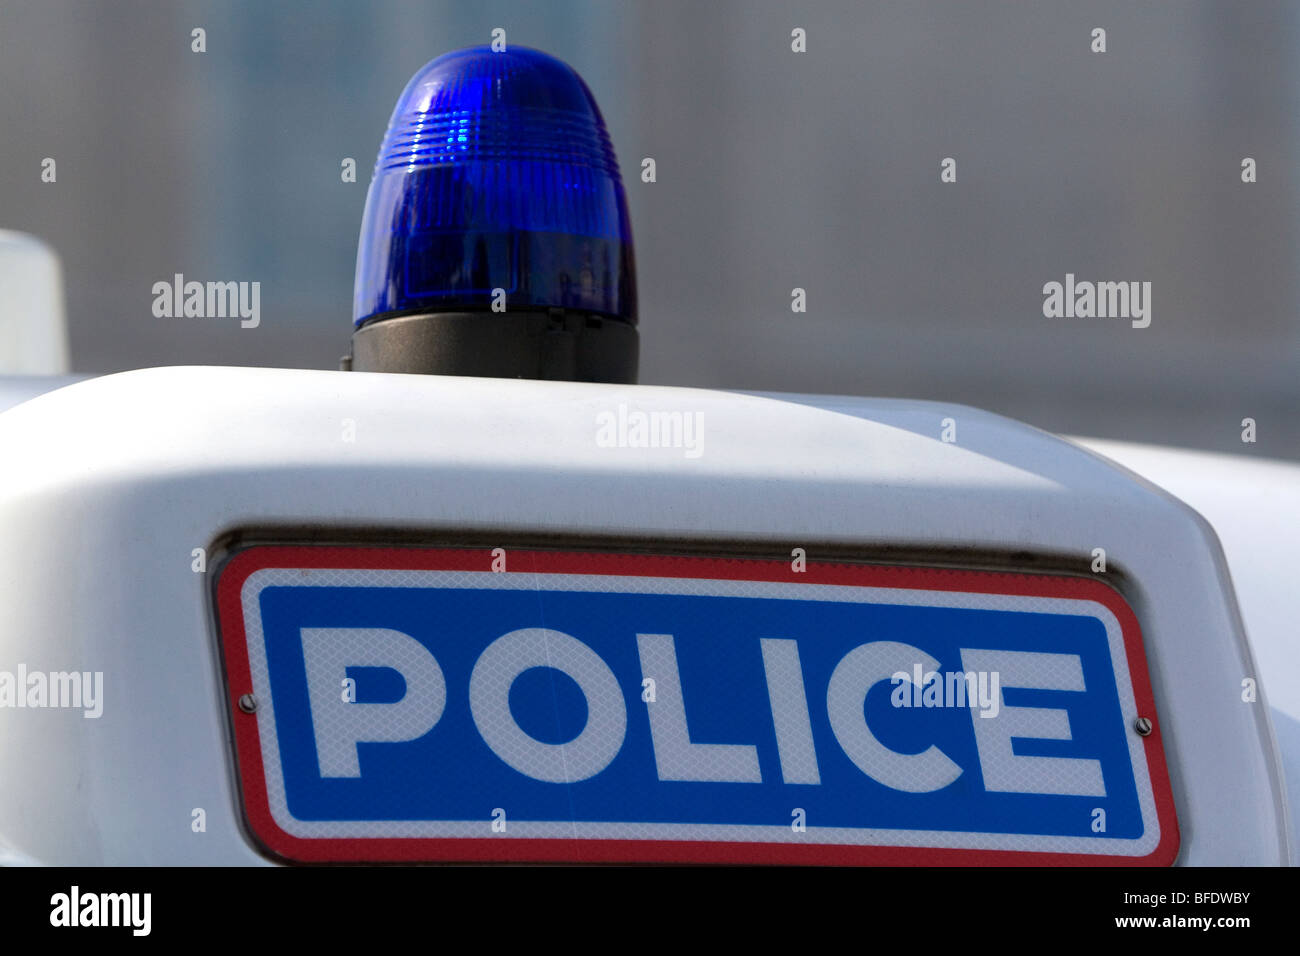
point(552, 344)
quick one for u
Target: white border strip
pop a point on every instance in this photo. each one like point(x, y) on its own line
point(704, 587)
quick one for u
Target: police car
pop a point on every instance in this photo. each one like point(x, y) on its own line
point(477, 596)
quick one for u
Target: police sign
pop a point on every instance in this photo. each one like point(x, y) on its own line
point(474, 704)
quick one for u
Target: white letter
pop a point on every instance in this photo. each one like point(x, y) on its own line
point(693, 434)
point(141, 919)
point(1052, 303)
point(785, 691)
point(1008, 772)
point(252, 316)
point(675, 756)
point(339, 725)
point(489, 700)
point(162, 303)
point(93, 695)
point(606, 430)
point(1141, 306)
point(860, 670)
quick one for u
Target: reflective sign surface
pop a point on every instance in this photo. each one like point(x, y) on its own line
point(471, 704)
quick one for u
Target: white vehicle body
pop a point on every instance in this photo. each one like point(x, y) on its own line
point(1254, 508)
point(109, 485)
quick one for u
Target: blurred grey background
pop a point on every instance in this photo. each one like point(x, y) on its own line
point(775, 170)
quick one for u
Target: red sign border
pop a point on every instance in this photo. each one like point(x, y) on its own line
point(292, 848)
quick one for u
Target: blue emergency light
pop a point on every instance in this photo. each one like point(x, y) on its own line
point(496, 239)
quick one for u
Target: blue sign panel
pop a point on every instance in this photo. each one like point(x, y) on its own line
point(438, 709)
